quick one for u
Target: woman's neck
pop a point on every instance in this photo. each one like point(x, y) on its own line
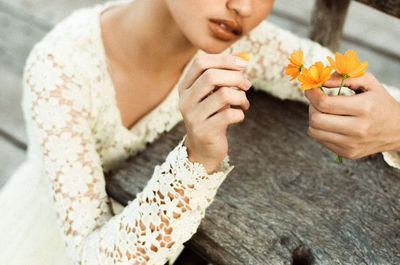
point(147, 36)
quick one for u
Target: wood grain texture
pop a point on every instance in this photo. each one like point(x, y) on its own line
point(45, 13)
point(391, 7)
point(328, 18)
point(17, 38)
point(327, 22)
point(11, 158)
point(11, 118)
point(287, 201)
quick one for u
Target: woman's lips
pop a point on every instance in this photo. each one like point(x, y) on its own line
point(225, 29)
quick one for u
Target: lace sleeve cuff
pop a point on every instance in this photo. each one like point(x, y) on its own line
point(392, 158)
point(196, 174)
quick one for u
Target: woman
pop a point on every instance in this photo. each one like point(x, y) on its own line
point(111, 78)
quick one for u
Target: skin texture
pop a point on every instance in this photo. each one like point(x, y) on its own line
point(358, 125)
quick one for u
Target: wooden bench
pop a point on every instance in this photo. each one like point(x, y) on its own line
point(287, 201)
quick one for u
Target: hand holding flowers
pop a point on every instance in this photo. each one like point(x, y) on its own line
point(351, 126)
point(358, 125)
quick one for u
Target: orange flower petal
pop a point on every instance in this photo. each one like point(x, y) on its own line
point(313, 73)
point(357, 75)
point(340, 63)
point(326, 73)
point(350, 55)
point(351, 61)
point(348, 64)
point(359, 71)
point(244, 55)
point(315, 76)
point(305, 86)
point(331, 61)
point(296, 58)
point(320, 67)
point(305, 76)
point(293, 71)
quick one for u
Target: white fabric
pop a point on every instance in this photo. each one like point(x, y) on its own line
point(55, 209)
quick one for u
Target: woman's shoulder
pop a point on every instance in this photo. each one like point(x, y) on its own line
point(73, 37)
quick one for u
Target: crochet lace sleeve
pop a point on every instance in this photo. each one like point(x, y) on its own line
point(164, 215)
point(271, 47)
point(392, 157)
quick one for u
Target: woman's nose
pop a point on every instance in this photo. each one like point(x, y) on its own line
point(242, 7)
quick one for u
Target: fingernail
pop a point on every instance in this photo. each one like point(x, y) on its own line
point(240, 62)
point(248, 83)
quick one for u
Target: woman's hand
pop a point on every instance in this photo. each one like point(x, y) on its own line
point(358, 125)
point(205, 96)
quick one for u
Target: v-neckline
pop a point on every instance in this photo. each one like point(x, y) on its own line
point(104, 60)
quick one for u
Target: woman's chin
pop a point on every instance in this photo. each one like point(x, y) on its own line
point(214, 46)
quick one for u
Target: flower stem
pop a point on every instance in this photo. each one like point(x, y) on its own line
point(339, 158)
point(322, 89)
point(341, 84)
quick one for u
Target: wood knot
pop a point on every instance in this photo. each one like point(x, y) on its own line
point(302, 255)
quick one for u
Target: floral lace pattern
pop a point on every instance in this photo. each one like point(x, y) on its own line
point(166, 212)
point(74, 127)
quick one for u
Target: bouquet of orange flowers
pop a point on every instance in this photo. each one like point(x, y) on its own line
point(347, 65)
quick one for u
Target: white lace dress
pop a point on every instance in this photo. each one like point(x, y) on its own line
point(55, 210)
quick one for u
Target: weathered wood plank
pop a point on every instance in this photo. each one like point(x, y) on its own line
point(327, 22)
point(391, 7)
point(362, 20)
point(287, 199)
point(17, 38)
point(11, 119)
point(328, 18)
point(45, 13)
point(11, 157)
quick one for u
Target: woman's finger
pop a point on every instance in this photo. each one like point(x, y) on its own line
point(223, 98)
point(225, 117)
point(214, 78)
point(324, 136)
point(363, 83)
point(331, 123)
point(203, 62)
point(339, 105)
point(345, 153)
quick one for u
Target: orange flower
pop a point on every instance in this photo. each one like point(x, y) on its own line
point(315, 76)
point(348, 65)
point(294, 68)
point(244, 55)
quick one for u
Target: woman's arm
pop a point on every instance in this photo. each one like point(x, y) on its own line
point(163, 216)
